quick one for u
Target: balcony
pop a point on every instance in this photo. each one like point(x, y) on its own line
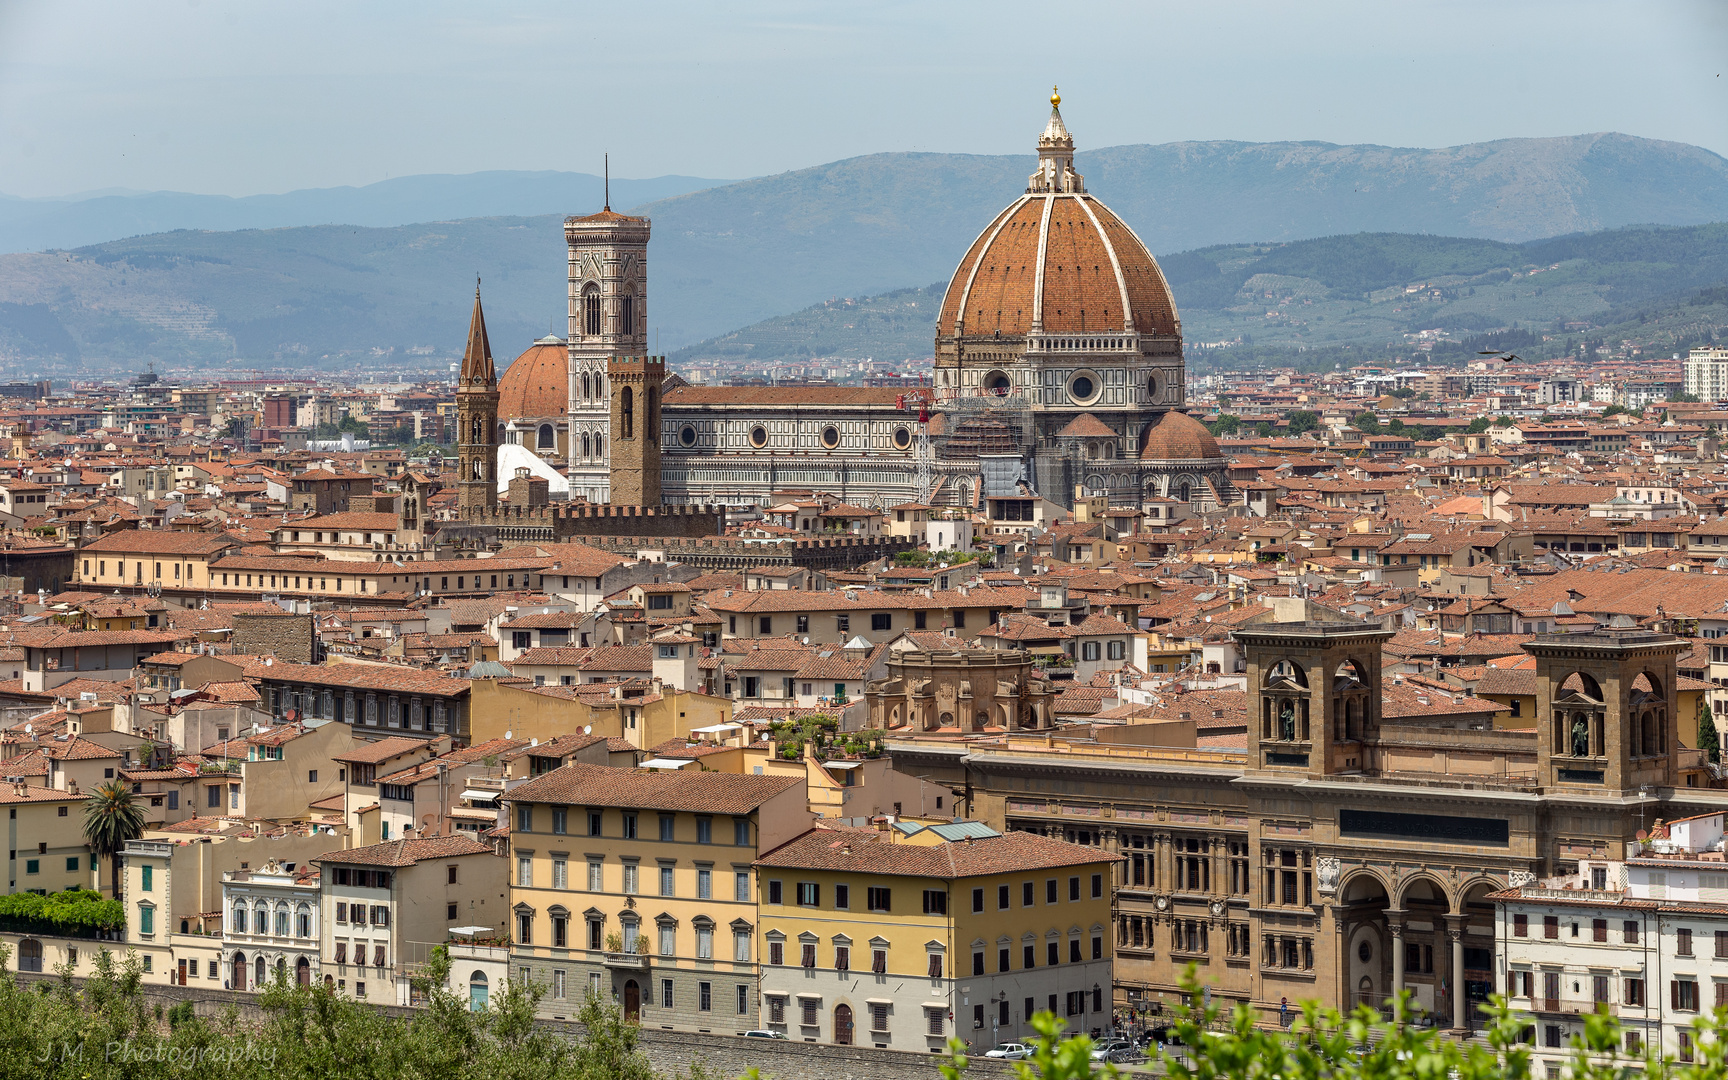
point(1570, 1006)
point(626, 961)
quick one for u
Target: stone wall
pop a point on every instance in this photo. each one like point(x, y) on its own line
point(287, 636)
point(670, 1052)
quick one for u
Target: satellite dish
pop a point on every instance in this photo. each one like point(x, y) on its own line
point(27, 731)
point(508, 735)
point(587, 729)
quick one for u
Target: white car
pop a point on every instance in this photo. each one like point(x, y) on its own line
point(1102, 1050)
point(1010, 1052)
point(763, 1034)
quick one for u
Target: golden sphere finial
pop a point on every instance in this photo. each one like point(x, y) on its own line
point(1055, 99)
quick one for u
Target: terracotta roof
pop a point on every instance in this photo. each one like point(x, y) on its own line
point(382, 750)
point(406, 852)
point(868, 851)
point(702, 792)
point(1176, 436)
point(359, 677)
point(150, 541)
point(701, 397)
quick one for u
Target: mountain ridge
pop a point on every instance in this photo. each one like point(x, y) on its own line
point(730, 256)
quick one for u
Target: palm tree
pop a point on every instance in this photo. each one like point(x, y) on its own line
point(112, 817)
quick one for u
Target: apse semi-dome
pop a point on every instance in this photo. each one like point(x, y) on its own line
point(1176, 436)
point(537, 383)
point(1057, 260)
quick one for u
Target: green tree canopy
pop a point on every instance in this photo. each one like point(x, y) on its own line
point(1302, 420)
point(1367, 423)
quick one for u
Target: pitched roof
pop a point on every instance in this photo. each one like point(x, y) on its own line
point(868, 851)
point(406, 852)
point(650, 789)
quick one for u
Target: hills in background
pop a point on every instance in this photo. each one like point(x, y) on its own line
point(1369, 291)
point(730, 256)
point(75, 221)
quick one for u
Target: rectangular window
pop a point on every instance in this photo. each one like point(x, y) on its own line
point(665, 993)
point(879, 961)
point(1683, 995)
point(807, 954)
point(935, 902)
point(978, 963)
point(630, 869)
point(878, 1017)
point(594, 876)
point(1097, 886)
point(741, 946)
point(878, 899)
point(1683, 941)
point(1520, 926)
point(666, 881)
point(148, 875)
point(560, 820)
point(809, 894)
point(1053, 952)
point(524, 872)
point(1722, 944)
point(1551, 927)
point(776, 1010)
point(774, 895)
point(524, 819)
point(705, 991)
point(1630, 929)
point(741, 832)
point(704, 884)
point(629, 827)
point(146, 920)
point(882, 621)
point(809, 1007)
point(593, 823)
point(704, 943)
point(842, 958)
point(843, 897)
point(1004, 959)
point(1599, 930)
point(935, 965)
point(741, 886)
point(1634, 992)
point(1050, 891)
point(936, 1021)
point(704, 830)
point(977, 900)
point(776, 953)
point(560, 874)
point(666, 828)
point(743, 999)
point(1029, 956)
point(1073, 888)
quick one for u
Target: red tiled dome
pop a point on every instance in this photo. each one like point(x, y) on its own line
point(997, 286)
point(537, 383)
point(1177, 436)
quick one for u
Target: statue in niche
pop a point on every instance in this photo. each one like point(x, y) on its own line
point(1287, 721)
point(1580, 737)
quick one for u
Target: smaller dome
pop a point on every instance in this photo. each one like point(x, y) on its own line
point(1177, 436)
point(537, 383)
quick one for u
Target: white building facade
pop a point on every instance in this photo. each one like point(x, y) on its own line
point(271, 925)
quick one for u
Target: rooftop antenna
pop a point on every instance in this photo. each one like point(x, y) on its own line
point(608, 168)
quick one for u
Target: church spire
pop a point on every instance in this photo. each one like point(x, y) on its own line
point(477, 361)
point(1056, 156)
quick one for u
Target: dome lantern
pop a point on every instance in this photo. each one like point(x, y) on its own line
point(1055, 157)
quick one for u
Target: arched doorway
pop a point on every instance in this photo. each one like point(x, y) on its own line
point(843, 1025)
point(302, 972)
point(238, 979)
point(260, 971)
point(477, 992)
point(1367, 944)
point(29, 955)
point(632, 1001)
point(1427, 948)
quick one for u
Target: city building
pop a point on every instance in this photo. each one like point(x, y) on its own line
point(903, 935)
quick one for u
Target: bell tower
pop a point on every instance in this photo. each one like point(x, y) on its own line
point(1606, 703)
point(608, 316)
point(635, 472)
point(1314, 695)
point(477, 422)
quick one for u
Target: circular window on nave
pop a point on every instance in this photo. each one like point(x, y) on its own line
point(830, 437)
point(758, 436)
point(1083, 388)
point(902, 438)
point(687, 435)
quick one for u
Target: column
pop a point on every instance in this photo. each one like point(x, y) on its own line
point(1455, 934)
point(1395, 925)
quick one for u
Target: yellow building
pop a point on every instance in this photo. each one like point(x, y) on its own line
point(166, 557)
point(638, 885)
point(45, 836)
point(545, 713)
point(904, 935)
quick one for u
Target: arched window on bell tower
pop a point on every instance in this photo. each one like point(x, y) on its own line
point(591, 311)
point(627, 315)
point(627, 413)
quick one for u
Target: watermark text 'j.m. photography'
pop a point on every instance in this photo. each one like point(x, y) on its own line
point(184, 1057)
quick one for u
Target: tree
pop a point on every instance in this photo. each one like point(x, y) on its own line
point(236, 429)
point(1225, 425)
point(1302, 420)
point(1404, 392)
point(1614, 410)
point(1684, 397)
point(1477, 426)
point(1708, 740)
point(1263, 429)
point(112, 817)
point(1367, 423)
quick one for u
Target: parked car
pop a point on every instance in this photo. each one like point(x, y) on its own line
point(760, 1034)
point(1009, 1051)
point(1104, 1048)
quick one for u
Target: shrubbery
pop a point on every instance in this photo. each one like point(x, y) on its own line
point(72, 913)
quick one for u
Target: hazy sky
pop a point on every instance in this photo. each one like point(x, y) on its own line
point(242, 98)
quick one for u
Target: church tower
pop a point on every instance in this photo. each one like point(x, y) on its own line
point(608, 316)
point(635, 472)
point(477, 422)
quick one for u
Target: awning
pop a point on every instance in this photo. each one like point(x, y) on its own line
point(476, 795)
point(843, 764)
point(667, 763)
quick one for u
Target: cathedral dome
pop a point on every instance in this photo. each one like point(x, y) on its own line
point(1177, 436)
point(537, 383)
point(1059, 261)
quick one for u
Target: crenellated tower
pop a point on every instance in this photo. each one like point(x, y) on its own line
point(636, 382)
point(477, 421)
